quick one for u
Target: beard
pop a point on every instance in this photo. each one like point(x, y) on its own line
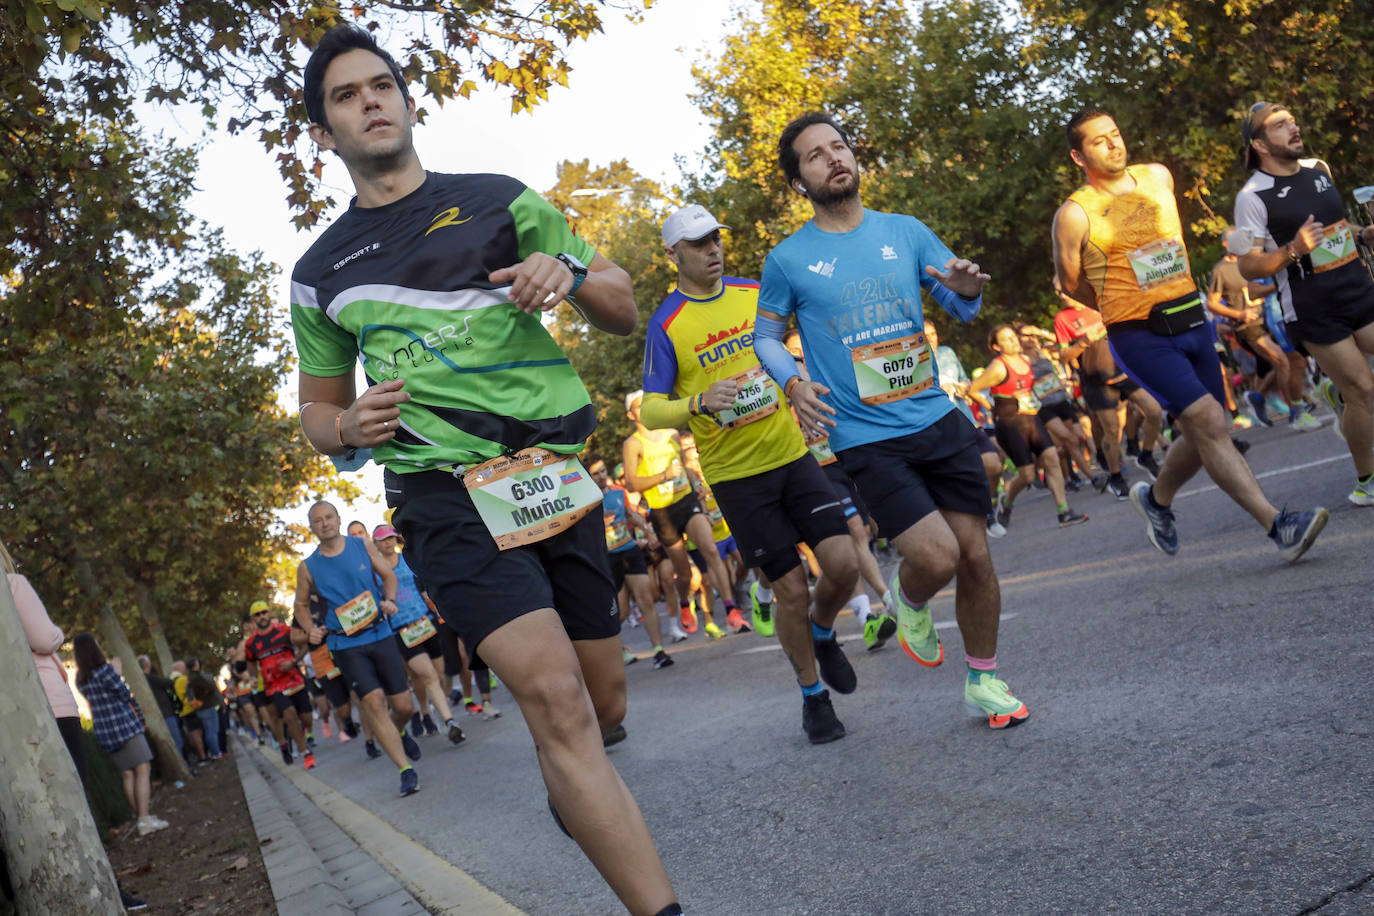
point(1289, 153)
point(825, 197)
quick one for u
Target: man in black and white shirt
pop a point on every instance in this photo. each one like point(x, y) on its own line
point(1292, 226)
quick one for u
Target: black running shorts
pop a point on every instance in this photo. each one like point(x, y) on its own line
point(429, 647)
point(480, 588)
point(845, 491)
point(670, 522)
point(335, 690)
point(300, 701)
point(260, 700)
point(770, 512)
point(1023, 437)
point(629, 562)
point(906, 478)
point(373, 666)
point(1063, 410)
point(1333, 322)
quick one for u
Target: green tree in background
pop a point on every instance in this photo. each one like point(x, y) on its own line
point(620, 213)
point(239, 62)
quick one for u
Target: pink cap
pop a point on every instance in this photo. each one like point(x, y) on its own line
point(383, 531)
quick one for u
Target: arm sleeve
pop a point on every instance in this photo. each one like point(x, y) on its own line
point(540, 227)
point(658, 412)
point(935, 253)
point(44, 636)
point(768, 347)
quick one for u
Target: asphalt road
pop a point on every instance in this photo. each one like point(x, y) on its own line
point(1199, 741)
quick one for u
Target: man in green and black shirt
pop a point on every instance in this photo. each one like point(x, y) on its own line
point(436, 283)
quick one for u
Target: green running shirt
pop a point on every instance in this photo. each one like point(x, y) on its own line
point(404, 289)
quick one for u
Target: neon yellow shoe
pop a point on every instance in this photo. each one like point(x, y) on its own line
point(987, 696)
point(878, 630)
point(915, 631)
point(762, 612)
point(713, 631)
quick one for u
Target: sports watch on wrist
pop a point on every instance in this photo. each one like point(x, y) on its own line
point(579, 270)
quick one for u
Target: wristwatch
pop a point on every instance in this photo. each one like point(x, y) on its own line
point(579, 270)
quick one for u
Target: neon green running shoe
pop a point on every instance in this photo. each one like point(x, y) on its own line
point(987, 696)
point(915, 631)
point(763, 612)
point(1331, 397)
point(878, 630)
point(1363, 494)
point(713, 631)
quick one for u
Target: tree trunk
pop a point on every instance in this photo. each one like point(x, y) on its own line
point(114, 641)
point(56, 862)
point(143, 595)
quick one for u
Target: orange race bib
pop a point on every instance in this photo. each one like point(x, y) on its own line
point(1336, 249)
point(893, 370)
point(358, 614)
point(414, 634)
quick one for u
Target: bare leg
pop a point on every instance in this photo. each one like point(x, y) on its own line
point(699, 530)
point(143, 789)
point(644, 597)
point(868, 564)
point(1152, 418)
point(293, 726)
point(426, 681)
point(1054, 479)
point(533, 657)
point(385, 729)
point(1345, 362)
point(604, 675)
point(1207, 443)
point(1109, 422)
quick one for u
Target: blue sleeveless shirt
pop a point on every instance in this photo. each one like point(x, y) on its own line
point(339, 580)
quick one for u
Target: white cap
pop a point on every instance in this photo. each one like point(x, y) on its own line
point(632, 397)
point(691, 222)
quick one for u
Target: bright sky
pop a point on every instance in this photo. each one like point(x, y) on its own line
point(628, 98)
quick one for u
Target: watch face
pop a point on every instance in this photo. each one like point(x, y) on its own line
point(576, 266)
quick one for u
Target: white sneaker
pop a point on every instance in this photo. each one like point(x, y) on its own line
point(675, 631)
point(150, 824)
point(489, 711)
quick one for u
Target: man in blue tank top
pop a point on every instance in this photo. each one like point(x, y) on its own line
point(345, 572)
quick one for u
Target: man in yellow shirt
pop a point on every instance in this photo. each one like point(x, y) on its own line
point(700, 370)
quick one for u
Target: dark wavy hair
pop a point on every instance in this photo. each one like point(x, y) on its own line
point(339, 40)
point(788, 160)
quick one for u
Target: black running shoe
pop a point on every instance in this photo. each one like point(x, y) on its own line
point(1069, 517)
point(558, 820)
point(455, 734)
point(835, 669)
point(350, 728)
point(430, 727)
point(1119, 487)
point(410, 747)
point(410, 782)
point(1146, 462)
point(818, 719)
point(131, 903)
point(371, 748)
point(286, 757)
point(417, 726)
point(617, 735)
point(663, 660)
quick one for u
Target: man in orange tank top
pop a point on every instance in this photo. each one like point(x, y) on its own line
point(1118, 247)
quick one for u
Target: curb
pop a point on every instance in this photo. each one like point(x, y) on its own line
point(441, 887)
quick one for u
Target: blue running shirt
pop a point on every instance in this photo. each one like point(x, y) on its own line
point(410, 604)
point(860, 287)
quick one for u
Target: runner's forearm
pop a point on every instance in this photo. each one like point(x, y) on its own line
point(769, 348)
point(658, 412)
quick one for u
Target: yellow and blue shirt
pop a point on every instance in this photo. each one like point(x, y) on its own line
point(692, 343)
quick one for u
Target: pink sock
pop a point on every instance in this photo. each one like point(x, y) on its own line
point(981, 664)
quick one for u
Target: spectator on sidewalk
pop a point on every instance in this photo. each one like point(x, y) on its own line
point(165, 694)
point(45, 638)
point(207, 703)
point(119, 727)
point(186, 705)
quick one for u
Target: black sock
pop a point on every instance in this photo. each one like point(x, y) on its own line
point(672, 909)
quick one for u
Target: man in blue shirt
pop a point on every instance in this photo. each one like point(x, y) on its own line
point(853, 279)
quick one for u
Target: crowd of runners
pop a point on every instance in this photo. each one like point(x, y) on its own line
point(787, 429)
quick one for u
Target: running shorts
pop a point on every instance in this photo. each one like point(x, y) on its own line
point(1178, 371)
point(845, 490)
point(769, 513)
point(300, 701)
point(1334, 321)
point(480, 588)
point(629, 562)
point(670, 522)
point(727, 547)
point(1023, 437)
point(376, 665)
point(1064, 410)
point(906, 478)
point(335, 690)
point(985, 444)
point(429, 647)
point(260, 699)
